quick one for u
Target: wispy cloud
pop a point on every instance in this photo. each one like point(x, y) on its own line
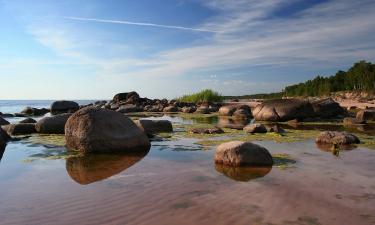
point(139, 24)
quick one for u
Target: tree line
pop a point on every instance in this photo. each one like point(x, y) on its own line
point(360, 77)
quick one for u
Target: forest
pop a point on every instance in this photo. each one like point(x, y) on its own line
point(360, 77)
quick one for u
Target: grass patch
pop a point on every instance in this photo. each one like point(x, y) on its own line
point(206, 95)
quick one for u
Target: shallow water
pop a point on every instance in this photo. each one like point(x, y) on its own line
point(177, 182)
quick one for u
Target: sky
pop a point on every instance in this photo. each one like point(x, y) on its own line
point(93, 49)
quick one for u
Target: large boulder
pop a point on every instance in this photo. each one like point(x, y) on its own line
point(255, 128)
point(127, 97)
point(336, 137)
point(155, 126)
point(53, 124)
point(238, 153)
point(366, 115)
point(30, 111)
point(3, 121)
point(327, 108)
point(20, 128)
point(283, 110)
point(64, 107)
point(101, 130)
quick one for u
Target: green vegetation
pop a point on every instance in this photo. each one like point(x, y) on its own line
point(206, 95)
point(360, 77)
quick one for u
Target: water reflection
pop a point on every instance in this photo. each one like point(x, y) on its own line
point(96, 167)
point(332, 148)
point(243, 174)
point(232, 123)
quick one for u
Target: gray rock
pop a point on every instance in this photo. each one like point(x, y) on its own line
point(53, 124)
point(64, 107)
point(20, 128)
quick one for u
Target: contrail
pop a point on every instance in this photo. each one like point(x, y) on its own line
point(140, 24)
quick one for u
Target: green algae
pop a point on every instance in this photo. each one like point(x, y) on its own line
point(48, 139)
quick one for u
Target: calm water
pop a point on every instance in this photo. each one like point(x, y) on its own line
point(176, 182)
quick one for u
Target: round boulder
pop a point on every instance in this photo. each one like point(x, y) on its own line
point(53, 124)
point(327, 108)
point(34, 111)
point(101, 130)
point(64, 107)
point(336, 137)
point(238, 153)
point(283, 110)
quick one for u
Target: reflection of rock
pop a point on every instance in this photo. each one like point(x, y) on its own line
point(95, 167)
point(331, 147)
point(226, 122)
point(242, 173)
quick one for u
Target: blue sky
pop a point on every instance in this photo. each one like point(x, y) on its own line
point(93, 49)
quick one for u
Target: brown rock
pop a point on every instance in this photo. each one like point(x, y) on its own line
point(336, 137)
point(238, 153)
point(154, 126)
point(255, 128)
point(53, 124)
point(100, 130)
point(214, 130)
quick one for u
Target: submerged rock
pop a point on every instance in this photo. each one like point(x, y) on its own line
point(3, 121)
point(214, 130)
point(255, 128)
point(101, 130)
point(336, 137)
point(232, 122)
point(64, 107)
point(238, 153)
point(53, 124)
point(28, 120)
point(154, 126)
point(283, 110)
point(20, 128)
point(4, 138)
